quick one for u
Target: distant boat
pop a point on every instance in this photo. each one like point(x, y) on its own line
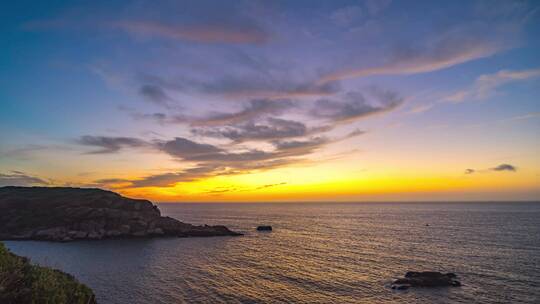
point(264, 228)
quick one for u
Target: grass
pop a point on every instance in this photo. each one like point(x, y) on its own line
point(22, 282)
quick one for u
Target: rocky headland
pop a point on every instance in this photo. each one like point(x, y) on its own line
point(67, 214)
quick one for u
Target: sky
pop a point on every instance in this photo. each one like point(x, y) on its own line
point(255, 101)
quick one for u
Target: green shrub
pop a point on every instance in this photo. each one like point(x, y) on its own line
point(22, 282)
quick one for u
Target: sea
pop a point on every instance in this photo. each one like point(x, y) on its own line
point(316, 253)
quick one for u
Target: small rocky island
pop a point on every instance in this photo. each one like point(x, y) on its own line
point(67, 214)
point(426, 279)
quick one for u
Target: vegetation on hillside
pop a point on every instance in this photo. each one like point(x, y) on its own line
point(22, 282)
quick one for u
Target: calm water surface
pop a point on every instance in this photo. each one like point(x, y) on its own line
point(317, 253)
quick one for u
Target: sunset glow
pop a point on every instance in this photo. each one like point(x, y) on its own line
point(274, 100)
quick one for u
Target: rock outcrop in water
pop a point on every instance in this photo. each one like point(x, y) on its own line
point(426, 279)
point(66, 214)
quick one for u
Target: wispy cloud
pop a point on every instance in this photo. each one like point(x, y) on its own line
point(448, 49)
point(250, 84)
point(485, 85)
point(253, 109)
point(499, 168)
point(109, 144)
point(504, 167)
point(270, 129)
point(469, 171)
point(22, 153)
point(210, 160)
point(17, 178)
point(170, 179)
point(270, 185)
point(155, 94)
point(355, 106)
point(205, 33)
point(523, 117)
point(201, 22)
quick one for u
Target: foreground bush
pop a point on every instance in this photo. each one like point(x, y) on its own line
point(22, 282)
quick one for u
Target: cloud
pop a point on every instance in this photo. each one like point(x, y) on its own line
point(202, 171)
point(523, 117)
point(504, 167)
point(158, 180)
point(355, 106)
point(110, 183)
point(184, 148)
point(469, 171)
point(486, 84)
point(195, 22)
point(453, 47)
point(189, 150)
point(499, 168)
point(210, 160)
point(155, 94)
point(170, 179)
point(203, 33)
point(106, 181)
point(254, 82)
point(271, 129)
point(109, 144)
point(265, 86)
point(160, 118)
point(17, 178)
point(299, 147)
point(22, 153)
point(214, 161)
point(270, 185)
point(253, 109)
point(220, 190)
point(422, 108)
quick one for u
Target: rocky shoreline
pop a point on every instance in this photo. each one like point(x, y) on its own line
point(68, 214)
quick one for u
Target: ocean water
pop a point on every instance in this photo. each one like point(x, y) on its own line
point(317, 253)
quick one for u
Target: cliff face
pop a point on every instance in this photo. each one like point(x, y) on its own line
point(66, 214)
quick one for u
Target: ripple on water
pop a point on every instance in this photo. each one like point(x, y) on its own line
point(317, 253)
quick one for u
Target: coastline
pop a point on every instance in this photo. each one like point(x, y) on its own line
point(66, 214)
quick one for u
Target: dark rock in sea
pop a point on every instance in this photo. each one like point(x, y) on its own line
point(67, 214)
point(426, 279)
point(264, 228)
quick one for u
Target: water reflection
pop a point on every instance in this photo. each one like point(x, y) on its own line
point(321, 253)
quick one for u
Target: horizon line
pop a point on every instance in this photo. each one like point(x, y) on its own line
point(356, 202)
